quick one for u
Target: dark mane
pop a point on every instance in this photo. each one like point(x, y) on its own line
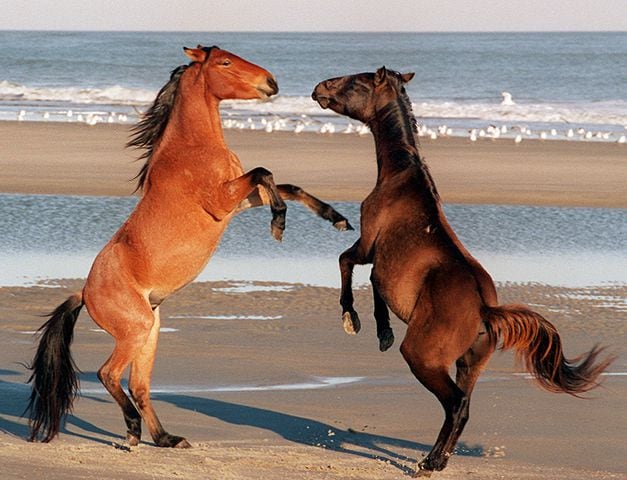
point(398, 121)
point(147, 132)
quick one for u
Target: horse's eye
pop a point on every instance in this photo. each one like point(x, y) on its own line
point(226, 62)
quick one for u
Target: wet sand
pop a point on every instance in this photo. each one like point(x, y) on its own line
point(218, 382)
point(290, 395)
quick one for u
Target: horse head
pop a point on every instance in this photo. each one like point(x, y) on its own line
point(228, 76)
point(361, 95)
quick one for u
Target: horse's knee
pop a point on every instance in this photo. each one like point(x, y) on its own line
point(346, 259)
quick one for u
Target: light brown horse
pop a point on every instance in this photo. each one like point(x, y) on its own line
point(423, 273)
point(192, 186)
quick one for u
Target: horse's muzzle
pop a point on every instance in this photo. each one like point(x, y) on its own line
point(274, 87)
point(318, 96)
point(270, 88)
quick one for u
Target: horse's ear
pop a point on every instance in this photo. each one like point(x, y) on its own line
point(379, 76)
point(196, 54)
point(406, 77)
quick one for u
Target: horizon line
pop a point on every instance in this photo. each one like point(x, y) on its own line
point(105, 30)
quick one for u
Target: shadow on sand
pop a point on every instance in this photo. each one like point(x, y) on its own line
point(14, 397)
point(310, 432)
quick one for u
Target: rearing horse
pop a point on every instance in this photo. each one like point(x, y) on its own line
point(192, 186)
point(423, 273)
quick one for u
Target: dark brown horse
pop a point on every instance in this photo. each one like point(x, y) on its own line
point(192, 186)
point(423, 273)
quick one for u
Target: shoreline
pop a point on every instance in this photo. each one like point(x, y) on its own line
point(60, 158)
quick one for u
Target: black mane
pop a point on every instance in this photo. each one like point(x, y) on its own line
point(399, 123)
point(147, 132)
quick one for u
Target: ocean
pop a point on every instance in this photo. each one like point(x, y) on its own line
point(568, 86)
point(47, 237)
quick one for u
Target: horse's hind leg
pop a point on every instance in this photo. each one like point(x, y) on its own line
point(436, 379)
point(469, 367)
point(139, 386)
point(127, 316)
point(110, 374)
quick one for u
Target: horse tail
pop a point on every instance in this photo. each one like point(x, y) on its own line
point(538, 345)
point(55, 375)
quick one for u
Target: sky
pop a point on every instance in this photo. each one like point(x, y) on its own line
point(315, 15)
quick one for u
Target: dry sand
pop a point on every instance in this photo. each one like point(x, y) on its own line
point(208, 371)
point(84, 160)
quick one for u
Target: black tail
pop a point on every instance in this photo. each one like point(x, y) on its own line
point(536, 340)
point(54, 377)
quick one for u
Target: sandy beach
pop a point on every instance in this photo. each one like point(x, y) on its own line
point(263, 381)
point(78, 159)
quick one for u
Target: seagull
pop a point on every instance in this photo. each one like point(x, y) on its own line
point(363, 130)
point(507, 99)
point(518, 138)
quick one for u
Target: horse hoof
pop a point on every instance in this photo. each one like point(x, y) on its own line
point(351, 323)
point(277, 232)
point(172, 441)
point(343, 225)
point(386, 340)
point(133, 440)
point(420, 473)
point(430, 465)
point(183, 444)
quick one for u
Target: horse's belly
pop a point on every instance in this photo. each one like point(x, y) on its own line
point(400, 279)
point(180, 261)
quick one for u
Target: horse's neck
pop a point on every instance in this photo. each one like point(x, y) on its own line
point(195, 120)
point(397, 148)
point(393, 132)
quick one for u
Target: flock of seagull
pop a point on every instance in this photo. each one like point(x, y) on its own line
point(91, 118)
point(306, 123)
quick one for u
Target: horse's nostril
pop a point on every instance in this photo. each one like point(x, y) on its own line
point(273, 85)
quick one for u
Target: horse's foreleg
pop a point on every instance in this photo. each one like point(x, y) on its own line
point(139, 387)
point(259, 198)
point(382, 317)
point(351, 257)
point(237, 190)
point(320, 208)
